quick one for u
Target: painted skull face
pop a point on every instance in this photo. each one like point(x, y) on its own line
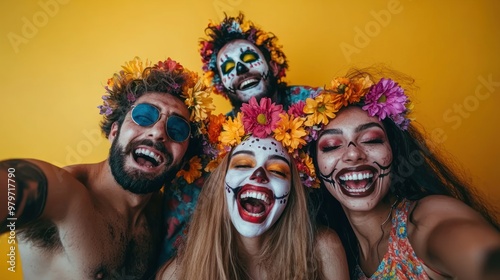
point(244, 70)
point(258, 182)
point(354, 159)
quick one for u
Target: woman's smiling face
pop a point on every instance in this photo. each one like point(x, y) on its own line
point(354, 159)
point(258, 183)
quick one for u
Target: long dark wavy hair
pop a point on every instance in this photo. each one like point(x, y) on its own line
point(418, 171)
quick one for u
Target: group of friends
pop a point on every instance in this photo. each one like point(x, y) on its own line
point(295, 182)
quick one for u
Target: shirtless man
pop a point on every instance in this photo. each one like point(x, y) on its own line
point(101, 220)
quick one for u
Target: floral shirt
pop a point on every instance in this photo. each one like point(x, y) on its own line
point(180, 198)
point(400, 261)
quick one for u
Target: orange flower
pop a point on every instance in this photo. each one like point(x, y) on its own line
point(191, 170)
point(215, 127)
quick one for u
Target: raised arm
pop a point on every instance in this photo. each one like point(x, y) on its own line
point(33, 189)
point(454, 239)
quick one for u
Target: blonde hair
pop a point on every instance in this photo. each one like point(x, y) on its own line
point(212, 246)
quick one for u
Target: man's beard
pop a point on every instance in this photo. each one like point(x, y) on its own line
point(137, 181)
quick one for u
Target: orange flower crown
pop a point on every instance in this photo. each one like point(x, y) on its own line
point(261, 119)
point(300, 125)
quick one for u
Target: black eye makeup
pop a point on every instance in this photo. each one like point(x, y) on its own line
point(227, 66)
point(249, 56)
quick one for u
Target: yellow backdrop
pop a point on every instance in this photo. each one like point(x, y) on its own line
point(57, 54)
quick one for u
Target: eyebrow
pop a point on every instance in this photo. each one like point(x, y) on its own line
point(338, 131)
point(247, 152)
point(368, 125)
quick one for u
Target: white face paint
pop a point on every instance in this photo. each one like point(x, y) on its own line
point(244, 70)
point(258, 182)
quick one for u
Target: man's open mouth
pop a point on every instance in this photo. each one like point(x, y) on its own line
point(248, 83)
point(357, 181)
point(254, 203)
point(147, 158)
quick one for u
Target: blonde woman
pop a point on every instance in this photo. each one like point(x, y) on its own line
point(252, 222)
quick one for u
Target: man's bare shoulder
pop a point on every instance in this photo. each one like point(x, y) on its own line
point(86, 173)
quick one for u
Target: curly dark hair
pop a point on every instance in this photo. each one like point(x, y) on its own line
point(124, 92)
point(419, 172)
point(230, 29)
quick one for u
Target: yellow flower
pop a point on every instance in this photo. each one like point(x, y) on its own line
point(245, 26)
point(321, 109)
point(350, 90)
point(133, 69)
point(208, 77)
point(233, 131)
point(261, 37)
point(199, 101)
point(191, 171)
point(409, 106)
point(277, 58)
point(289, 132)
point(213, 164)
point(308, 162)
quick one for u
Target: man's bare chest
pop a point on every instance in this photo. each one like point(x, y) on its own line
point(108, 250)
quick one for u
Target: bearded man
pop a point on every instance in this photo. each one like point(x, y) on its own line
point(102, 220)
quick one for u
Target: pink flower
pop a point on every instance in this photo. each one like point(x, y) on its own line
point(297, 109)
point(169, 65)
point(260, 119)
point(385, 99)
point(206, 50)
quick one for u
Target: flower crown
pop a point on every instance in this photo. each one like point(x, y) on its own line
point(385, 99)
point(237, 28)
point(260, 119)
point(177, 80)
point(192, 89)
point(300, 125)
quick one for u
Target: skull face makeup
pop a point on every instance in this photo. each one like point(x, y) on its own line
point(258, 182)
point(244, 71)
point(354, 159)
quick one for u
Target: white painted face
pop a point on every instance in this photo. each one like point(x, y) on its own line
point(244, 70)
point(354, 159)
point(258, 183)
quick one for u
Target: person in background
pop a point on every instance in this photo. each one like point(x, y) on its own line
point(240, 61)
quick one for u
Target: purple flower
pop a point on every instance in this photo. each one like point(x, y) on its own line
point(105, 110)
point(401, 121)
point(385, 99)
point(130, 97)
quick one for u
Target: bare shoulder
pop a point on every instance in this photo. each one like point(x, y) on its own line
point(327, 238)
point(331, 254)
point(83, 172)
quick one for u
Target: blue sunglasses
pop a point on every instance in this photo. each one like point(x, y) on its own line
point(177, 128)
